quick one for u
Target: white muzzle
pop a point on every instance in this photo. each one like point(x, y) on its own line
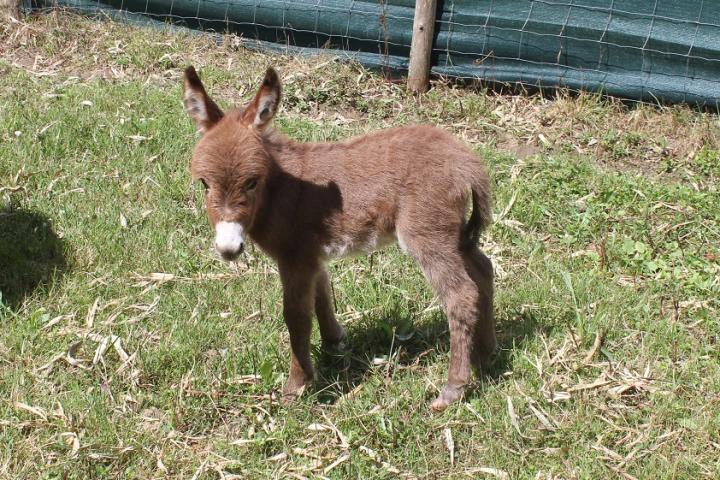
point(229, 239)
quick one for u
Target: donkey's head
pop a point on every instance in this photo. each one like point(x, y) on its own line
point(230, 159)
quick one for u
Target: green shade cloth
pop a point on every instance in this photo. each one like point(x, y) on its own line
point(660, 50)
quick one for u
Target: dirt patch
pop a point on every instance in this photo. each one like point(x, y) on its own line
point(517, 147)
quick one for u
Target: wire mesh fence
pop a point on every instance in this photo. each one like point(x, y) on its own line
point(657, 50)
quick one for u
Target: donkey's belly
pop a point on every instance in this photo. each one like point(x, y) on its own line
point(346, 246)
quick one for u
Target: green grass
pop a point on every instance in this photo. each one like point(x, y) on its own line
point(98, 200)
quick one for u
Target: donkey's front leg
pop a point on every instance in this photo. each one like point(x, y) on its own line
point(298, 300)
point(331, 332)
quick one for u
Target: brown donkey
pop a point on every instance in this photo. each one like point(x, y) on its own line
point(303, 203)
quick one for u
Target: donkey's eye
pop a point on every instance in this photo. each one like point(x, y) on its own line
point(204, 184)
point(250, 184)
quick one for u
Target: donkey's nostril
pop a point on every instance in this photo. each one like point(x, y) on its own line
point(231, 251)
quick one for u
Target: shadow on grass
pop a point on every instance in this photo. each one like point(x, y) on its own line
point(373, 338)
point(31, 254)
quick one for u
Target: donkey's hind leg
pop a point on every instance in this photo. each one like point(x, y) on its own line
point(484, 342)
point(444, 267)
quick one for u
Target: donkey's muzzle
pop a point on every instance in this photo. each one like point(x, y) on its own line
point(230, 256)
point(229, 241)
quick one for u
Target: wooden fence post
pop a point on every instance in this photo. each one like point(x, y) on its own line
point(421, 47)
point(9, 8)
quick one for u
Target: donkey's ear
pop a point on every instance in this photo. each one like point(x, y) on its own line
point(204, 112)
point(263, 107)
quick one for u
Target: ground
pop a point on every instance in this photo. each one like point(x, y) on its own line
point(128, 350)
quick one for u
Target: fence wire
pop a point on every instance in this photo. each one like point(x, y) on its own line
point(649, 50)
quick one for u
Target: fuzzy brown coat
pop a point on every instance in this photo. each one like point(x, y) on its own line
point(303, 203)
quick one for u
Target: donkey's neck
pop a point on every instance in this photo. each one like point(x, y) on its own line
point(286, 154)
point(293, 212)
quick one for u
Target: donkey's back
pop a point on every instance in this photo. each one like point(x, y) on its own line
point(392, 183)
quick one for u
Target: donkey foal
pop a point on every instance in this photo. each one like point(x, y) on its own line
point(303, 203)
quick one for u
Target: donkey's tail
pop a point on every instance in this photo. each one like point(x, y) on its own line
point(481, 215)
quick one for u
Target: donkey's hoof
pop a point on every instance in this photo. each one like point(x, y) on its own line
point(291, 392)
point(448, 395)
point(291, 397)
point(336, 343)
point(335, 347)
